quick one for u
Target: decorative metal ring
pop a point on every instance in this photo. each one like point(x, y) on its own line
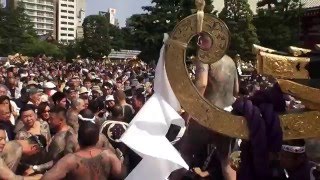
point(295, 126)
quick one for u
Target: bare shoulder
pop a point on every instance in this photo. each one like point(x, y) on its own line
point(68, 160)
point(12, 146)
point(107, 154)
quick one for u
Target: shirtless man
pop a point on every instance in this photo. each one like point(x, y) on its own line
point(103, 142)
point(77, 105)
point(218, 83)
point(5, 171)
point(89, 162)
point(64, 141)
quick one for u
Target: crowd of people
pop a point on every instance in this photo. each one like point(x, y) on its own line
point(65, 120)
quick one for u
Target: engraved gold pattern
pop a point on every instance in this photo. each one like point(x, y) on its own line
point(295, 126)
point(295, 51)
point(284, 67)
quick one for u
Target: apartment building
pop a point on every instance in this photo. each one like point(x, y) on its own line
point(81, 6)
point(66, 21)
point(42, 13)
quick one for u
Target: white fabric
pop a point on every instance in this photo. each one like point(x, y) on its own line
point(15, 109)
point(109, 98)
point(87, 119)
point(311, 173)
point(49, 85)
point(294, 149)
point(146, 134)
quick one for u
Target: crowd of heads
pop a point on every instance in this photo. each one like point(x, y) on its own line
point(40, 98)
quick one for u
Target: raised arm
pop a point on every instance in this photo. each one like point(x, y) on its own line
point(118, 170)
point(6, 173)
point(60, 169)
point(236, 84)
point(201, 77)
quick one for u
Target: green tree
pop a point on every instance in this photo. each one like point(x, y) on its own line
point(16, 30)
point(72, 50)
point(37, 47)
point(148, 29)
point(96, 41)
point(187, 7)
point(238, 16)
point(278, 26)
point(116, 37)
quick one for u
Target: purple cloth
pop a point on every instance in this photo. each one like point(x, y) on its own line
point(265, 133)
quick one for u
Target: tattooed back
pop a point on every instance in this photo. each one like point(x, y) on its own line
point(93, 164)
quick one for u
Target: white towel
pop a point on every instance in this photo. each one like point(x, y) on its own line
point(146, 134)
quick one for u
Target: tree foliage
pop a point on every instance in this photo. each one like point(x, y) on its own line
point(278, 26)
point(239, 18)
point(96, 41)
point(18, 36)
point(161, 17)
point(16, 30)
point(116, 38)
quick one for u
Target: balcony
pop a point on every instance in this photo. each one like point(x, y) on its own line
point(39, 9)
point(42, 22)
point(38, 2)
point(44, 28)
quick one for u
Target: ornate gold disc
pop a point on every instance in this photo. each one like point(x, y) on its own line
point(295, 126)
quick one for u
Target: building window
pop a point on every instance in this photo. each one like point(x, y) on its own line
point(64, 17)
point(71, 29)
point(71, 0)
point(63, 22)
point(71, 23)
point(71, 12)
point(70, 35)
point(63, 34)
point(70, 17)
point(64, 5)
point(64, 11)
point(72, 6)
point(63, 28)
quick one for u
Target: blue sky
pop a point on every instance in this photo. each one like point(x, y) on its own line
point(125, 8)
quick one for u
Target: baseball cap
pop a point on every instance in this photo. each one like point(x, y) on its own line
point(34, 90)
point(49, 85)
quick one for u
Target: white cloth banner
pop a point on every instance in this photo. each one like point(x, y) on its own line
point(146, 134)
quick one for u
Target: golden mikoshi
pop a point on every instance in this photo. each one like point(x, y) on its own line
point(294, 126)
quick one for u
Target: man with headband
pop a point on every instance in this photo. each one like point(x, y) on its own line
point(294, 161)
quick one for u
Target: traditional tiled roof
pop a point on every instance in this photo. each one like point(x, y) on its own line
point(310, 3)
point(123, 54)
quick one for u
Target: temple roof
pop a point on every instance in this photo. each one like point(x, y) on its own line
point(310, 3)
point(124, 54)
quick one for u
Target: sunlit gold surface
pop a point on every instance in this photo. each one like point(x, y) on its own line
point(235, 160)
point(295, 51)
point(309, 96)
point(135, 63)
point(279, 66)
point(17, 58)
point(256, 49)
point(295, 126)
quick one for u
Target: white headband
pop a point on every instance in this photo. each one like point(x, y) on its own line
point(294, 149)
point(87, 119)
